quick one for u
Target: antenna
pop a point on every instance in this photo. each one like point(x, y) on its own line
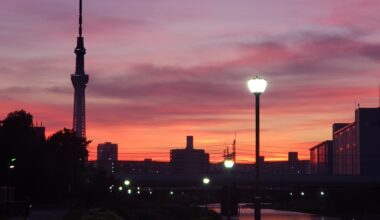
point(80, 18)
point(234, 149)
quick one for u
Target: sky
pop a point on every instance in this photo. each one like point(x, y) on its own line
point(164, 69)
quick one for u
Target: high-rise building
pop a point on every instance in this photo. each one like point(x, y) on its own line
point(107, 151)
point(79, 80)
point(356, 146)
point(107, 157)
point(189, 160)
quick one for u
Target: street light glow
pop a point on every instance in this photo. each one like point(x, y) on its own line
point(228, 163)
point(257, 85)
point(206, 180)
point(127, 182)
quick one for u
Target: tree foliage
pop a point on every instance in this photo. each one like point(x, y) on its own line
point(39, 167)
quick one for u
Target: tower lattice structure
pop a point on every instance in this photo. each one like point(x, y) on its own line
point(79, 80)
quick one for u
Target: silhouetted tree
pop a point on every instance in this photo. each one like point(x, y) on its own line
point(68, 158)
point(19, 152)
point(46, 169)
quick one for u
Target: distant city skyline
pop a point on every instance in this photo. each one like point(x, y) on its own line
point(162, 70)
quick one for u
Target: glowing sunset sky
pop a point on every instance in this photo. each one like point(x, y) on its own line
point(163, 69)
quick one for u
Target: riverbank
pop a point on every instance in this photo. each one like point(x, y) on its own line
point(326, 208)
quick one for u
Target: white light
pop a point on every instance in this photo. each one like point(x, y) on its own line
point(127, 182)
point(138, 192)
point(150, 192)
point(138, 188)
point(129, 191)
point(302, 193)
point(11, 166)
point(171, 192)
point(206, 180)
point(120, 188)
point(291, 194)
point(322, 193)
point(257, 85)
point(228, 163)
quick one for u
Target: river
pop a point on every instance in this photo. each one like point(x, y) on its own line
point(271, 214)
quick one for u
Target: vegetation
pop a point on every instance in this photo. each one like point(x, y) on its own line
point(54, 171)
point(44, 169)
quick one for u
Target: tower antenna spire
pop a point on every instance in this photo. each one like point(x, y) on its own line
point(79, 80)
point(80, 18)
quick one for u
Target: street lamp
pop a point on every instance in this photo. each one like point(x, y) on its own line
point(229, 163)
point(206, 180)
point(127, 182)
point(257, 86)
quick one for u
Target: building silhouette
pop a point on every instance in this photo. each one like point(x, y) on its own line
point(79, 80)
point(147, 166)
point(293, 166)
point(321, 160)
point(354, 149)
point(107, 157)
point(189, 160)
point(356, 146)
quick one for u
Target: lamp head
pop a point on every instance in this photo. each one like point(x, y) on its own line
point(228, 163)
point(206, 180)
point(257, 85)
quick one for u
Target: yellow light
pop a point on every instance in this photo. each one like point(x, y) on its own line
point(228, 163)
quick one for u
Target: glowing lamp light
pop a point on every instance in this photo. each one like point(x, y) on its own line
point(129, 191)
point(257, 85)
point(322, 193)
point(228, 163)
point(127, 182)
point(206, 180)
point(120, 188)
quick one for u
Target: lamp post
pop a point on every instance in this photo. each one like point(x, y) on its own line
point(205, 182)
point(229, 164)
point(257, 86)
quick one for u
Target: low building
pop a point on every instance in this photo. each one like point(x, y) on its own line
point(189, 160)
point(321, 158)
point(293, 166)
point(147, 166)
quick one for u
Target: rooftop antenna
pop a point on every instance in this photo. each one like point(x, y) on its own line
point(234, 149)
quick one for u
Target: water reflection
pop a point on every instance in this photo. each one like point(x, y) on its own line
point(270, 214)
